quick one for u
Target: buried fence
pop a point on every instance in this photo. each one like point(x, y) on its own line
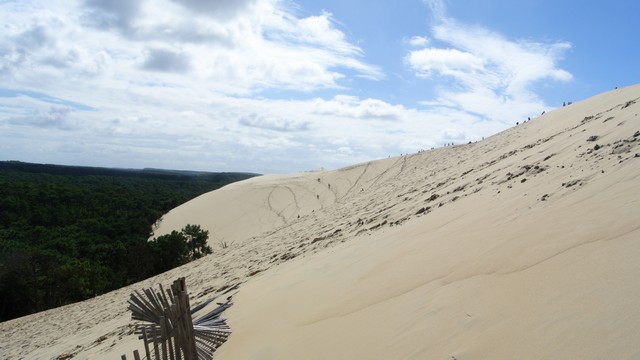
point(168, 329)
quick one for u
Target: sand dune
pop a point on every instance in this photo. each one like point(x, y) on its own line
point(522, 246)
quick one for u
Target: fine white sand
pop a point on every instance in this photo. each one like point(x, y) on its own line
point(521, 246)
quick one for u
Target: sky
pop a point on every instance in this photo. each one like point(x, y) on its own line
point(269, 86)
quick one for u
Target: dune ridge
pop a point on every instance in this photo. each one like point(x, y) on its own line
point(523, 245)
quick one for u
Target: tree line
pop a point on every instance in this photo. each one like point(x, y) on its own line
point(70, 233)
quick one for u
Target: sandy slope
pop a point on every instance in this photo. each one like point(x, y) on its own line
point(524, 245)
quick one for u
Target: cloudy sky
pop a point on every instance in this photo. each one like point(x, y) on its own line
point(274, 86)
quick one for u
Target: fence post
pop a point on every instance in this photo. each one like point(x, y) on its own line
point(188, 341)
point(169, 333)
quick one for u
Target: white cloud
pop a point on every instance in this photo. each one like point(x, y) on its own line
point(353, 107)
point(448, 62)
point(221, 9)
point(263, 46)
point(165, 60)
point(517, 63)
point(417, 41)
point(173, 83)
point(273, 123)
point(53, 117)
point(110, 14)
point(181, 129)
point(194, 84)
point(491, 72)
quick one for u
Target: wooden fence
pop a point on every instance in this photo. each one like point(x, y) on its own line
point(168, 329)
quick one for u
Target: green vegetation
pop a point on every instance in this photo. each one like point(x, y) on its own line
point(177, 248)
point(71, 233)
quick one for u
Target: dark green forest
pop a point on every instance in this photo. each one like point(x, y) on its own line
point(69, 233)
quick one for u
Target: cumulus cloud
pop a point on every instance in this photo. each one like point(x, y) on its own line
point(273, 123)
point(165, 61)
point(265, 45)
point(108, 14)
point(448, 62)
point(417, 41)
point(33, 38)
point(54, 117)
point(353, 107)
point(222, 9)
point(491, 71)
point(239, 46)
point(203, 84)
point(18, 45)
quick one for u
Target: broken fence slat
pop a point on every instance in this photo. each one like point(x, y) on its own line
point(136, 355)
point(155, 343)
point(163, 297)
point(146, 345)
point(174, 334)
point(163, 337)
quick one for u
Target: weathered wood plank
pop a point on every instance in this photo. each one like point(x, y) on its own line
point(146, 345)
point(155, 342)
point(171, 329)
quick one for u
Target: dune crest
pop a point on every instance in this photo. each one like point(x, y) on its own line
point(523, 245)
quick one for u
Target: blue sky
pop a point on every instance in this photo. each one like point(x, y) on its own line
point(282, 86)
